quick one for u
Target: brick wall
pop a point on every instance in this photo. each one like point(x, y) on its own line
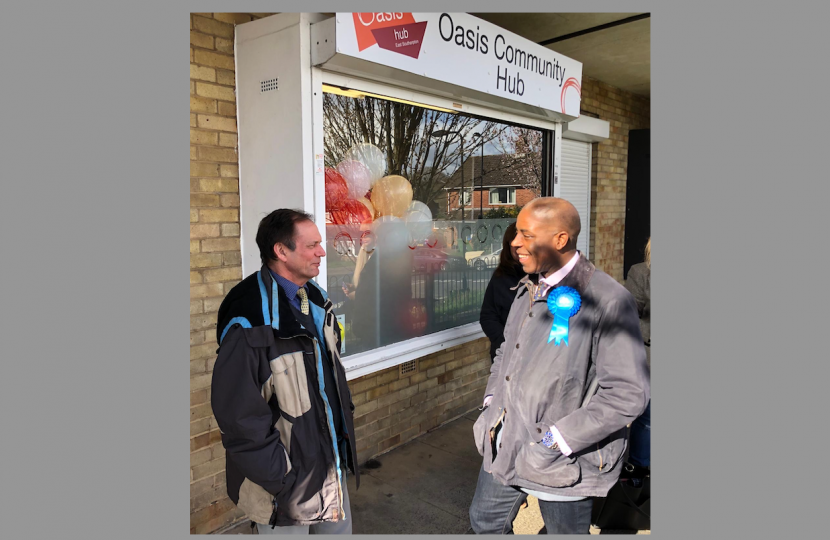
point(215, 264)
point(624, 111)
point(392, 408)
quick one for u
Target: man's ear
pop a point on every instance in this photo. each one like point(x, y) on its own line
point(279, 252)
point(561, 240)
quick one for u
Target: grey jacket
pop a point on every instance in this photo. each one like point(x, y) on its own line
point(536, 384)
point(639, 285)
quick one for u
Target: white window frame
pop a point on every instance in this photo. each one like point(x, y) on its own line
point(368, 362)
point(510, 190)
point(465, 195)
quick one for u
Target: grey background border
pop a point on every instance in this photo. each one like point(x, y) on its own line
point(94, 232)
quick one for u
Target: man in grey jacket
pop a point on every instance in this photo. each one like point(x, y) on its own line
point(568, 379)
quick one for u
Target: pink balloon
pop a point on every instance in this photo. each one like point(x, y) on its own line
point(358, 177)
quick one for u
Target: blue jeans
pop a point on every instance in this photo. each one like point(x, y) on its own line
point(640, 439)
point(495, 506)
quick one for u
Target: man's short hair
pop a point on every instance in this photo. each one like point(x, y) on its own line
point(278, 227)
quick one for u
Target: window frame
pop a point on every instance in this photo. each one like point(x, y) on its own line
point(368, 362)
point(510, 189)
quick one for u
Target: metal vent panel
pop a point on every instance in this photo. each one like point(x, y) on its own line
point(269, 85)
point(409, 367)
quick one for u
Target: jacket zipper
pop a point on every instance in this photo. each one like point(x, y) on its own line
point(342, 513)
point(334, 439)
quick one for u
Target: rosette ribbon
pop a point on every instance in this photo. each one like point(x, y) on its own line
point(563, 303)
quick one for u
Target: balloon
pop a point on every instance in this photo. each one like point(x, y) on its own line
point(419, 222)
point(351, 212)
point(420, 207)
point(392, 196)
point(368, 204)
point(358, 177)
point(336, 190)
point(370, 156)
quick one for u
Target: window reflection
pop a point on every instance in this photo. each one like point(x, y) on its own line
point(408, 254)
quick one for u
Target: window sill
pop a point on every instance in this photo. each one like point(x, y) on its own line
point(369, 362)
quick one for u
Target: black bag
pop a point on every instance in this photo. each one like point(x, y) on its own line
point(626, 507)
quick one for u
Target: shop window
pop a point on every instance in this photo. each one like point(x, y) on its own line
point(502, 196)
point(404, 258)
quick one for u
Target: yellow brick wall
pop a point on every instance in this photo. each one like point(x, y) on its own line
point(392, 408)
point(215, 262)
point(624, 111)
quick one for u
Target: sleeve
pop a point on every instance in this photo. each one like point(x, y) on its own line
point(636, 286)
point(494, 372)
point(489, 318)
point(251, 442)
point(622, 377)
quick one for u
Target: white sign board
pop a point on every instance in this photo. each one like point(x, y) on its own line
point(466, 51)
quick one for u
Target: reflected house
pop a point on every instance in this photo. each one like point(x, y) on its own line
point(510, 181)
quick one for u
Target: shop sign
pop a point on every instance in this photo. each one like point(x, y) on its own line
point(465, 51)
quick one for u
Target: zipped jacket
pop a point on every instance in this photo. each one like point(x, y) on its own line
point(268, 395)
point(589, 388)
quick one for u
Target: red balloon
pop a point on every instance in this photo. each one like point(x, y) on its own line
point(351, 212)
point(337, 191)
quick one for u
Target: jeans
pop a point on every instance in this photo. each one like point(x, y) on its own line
point(495, 506)
point(640, 439)
point(344, 526)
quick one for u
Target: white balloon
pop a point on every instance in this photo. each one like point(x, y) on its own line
point(419, 225)
point(357, 175)
point(371, 156)
point(418, 206)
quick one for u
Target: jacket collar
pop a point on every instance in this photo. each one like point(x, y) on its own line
point(577, 278)
point(276, 309)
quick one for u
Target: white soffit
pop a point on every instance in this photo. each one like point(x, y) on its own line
point(586, 129)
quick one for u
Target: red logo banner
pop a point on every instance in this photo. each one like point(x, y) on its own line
point(366, 23)
point(405, 39)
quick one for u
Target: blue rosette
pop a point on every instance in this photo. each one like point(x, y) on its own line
point(563, 303)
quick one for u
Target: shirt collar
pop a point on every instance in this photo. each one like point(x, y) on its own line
point(554, 279)
point(288, 286)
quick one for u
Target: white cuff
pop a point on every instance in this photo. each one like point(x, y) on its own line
point(563, 446)
point(487, 399)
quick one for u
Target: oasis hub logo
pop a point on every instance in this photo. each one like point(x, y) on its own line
point(396, 32)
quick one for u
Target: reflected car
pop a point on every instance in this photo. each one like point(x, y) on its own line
point(482, 262)
point(428, 259)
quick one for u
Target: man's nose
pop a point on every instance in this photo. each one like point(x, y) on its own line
point(322, 252)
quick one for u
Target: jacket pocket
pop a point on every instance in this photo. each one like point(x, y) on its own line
point(256, 502)
point(291, 384)
point(606, 454)
point(480, 431)
point(548, 467)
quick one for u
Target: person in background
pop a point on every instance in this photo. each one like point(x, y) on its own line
point(499, 297)
point(638, 284)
